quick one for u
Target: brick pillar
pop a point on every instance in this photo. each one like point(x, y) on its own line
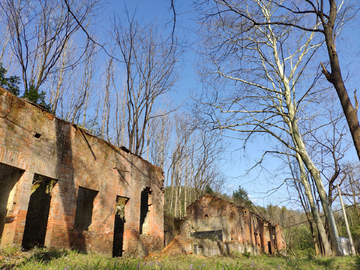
point(15, 222)
point(252, 231)
point(280, 242)
point(247, 227)
point(257, 234)
point(263, 228)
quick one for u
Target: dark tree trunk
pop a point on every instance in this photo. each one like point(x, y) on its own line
point(336, 79)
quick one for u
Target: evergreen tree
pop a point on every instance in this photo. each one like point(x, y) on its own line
point(11, 83)
point(36, 96)
point(241, 197)
point(209, 190)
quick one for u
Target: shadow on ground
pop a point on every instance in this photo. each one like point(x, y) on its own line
point(10, 259)
point(325, 262)
point(45, 256)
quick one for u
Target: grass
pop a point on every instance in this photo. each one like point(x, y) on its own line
point(42, 258)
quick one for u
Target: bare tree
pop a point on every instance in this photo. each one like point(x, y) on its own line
point(184, 131)
point(5, 52)
point(57, 79)
point(150, 65)
point(330, 147)
point(327, 14)
point(302, 183)
point(160, 140)
point(353, 187)
point(268, 64)
point(40, 31)
point(119, 113)
point(205, 160)
point(73, 92)
point(331, 18)
point(106, 104)
point(194, 164)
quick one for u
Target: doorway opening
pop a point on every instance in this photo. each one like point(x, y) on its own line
point(9, 176)
point(84, 208)
point(119, 226)
point(38, 212)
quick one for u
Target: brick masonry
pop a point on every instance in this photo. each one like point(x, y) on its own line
point(242, 230)
point(35, 142)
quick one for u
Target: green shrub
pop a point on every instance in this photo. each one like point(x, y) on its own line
point(299, 238)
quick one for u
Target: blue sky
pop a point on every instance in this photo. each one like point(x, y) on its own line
point(258, 184)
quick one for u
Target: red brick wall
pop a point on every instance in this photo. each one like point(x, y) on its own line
point(243, 227)
point(280, 241)
point(75, 158)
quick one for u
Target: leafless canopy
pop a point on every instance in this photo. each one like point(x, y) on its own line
point(259, 66)
point(150, 63)
point(39, 33)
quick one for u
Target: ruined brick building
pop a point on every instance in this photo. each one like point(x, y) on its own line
point(62, 187)
point(214, 226)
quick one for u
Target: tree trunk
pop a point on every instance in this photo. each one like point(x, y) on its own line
point(320, 226)
point(302, 152)
point(336, 79)
point(354, 198)
point(323, 198)
point(186, 184)
point(315, 239)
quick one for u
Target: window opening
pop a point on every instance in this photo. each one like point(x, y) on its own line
point(84, 208)
point(9, 176)
point(119, 226)
point(38, 212)
point(213, 235)
point(144, 210)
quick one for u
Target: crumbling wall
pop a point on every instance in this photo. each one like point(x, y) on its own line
point(34, 142)
point(172, 228)
point(241, 231)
